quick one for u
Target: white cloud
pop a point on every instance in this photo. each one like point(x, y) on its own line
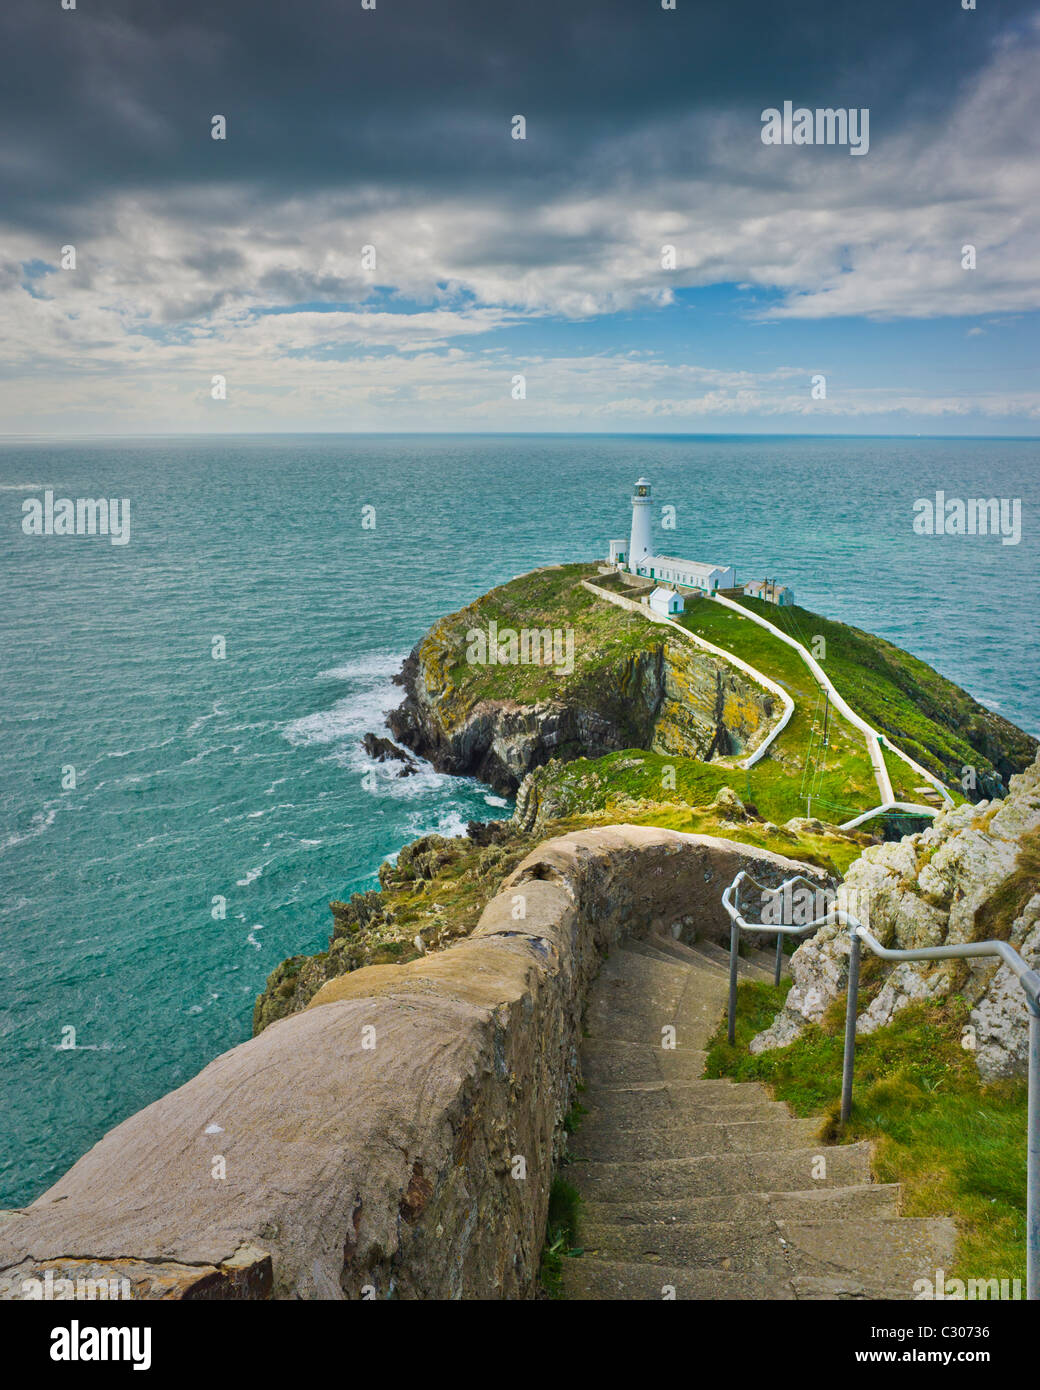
point(170, 290)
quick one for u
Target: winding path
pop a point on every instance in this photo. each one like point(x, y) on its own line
point(875, 740)
point(759, 677)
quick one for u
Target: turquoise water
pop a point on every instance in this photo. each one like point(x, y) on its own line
point(242, 778)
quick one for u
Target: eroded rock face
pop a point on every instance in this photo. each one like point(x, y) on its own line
point(1001, 1024)
point(970, 876)
point(671, 698)
point(371, 1141)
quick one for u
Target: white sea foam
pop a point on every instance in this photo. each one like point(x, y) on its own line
point(41, 821)
point(203, 718)
point(362, 711)
point(381, 664)
point(251, 875)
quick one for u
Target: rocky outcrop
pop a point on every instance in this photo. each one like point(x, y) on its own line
point(405, 917)
point(971, 876)
point(501, 740)
point(397, 1138)
point(670, 697)
point(382, 750)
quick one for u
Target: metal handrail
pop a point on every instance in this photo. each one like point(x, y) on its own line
point(737, 924)
point(1027, 977)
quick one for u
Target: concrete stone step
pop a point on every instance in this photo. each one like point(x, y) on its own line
point(708, 1189)
point(677, 1179)
point(656, 982)
point(678, 950)
point(743, 1246)
point(639, 1020)
point(746, 969)
point(695, 959)
point(879, 1257)
point(646, 1106)
point(651, 951)
point(612, 1280)
point(867, 1259)
point(765, 958)
point(633, 965)
point(687, 1090)
point(867, 1200)
point(614, 1061)
point(692, 1140)
point(604, 1116)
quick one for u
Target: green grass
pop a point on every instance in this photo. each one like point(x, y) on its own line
point(957, 1146)
point(929, 717)
point(604, 636)
point(635, 786)
point(561, 1235)
point(843, 782)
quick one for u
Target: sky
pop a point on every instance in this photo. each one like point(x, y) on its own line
point(223, 285)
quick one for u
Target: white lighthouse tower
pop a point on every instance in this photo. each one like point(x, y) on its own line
point(640, 547)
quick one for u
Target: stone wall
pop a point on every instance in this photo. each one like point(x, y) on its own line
point(399, 1136)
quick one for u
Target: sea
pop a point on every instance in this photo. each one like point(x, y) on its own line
point(182, 781)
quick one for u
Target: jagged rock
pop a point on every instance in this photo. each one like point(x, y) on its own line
point(671, 697)
point(969, 876)
point(728, 804)
point(385, 750)
point(820, 974)
point(1001, 1018)
point(489, 832)
point(804, 825)
point(908, 983)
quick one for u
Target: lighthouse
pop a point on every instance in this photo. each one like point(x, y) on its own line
point(640, 546)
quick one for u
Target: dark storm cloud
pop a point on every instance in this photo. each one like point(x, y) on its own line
point(418, 94)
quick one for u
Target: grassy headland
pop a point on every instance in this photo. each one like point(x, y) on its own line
point(437, 889)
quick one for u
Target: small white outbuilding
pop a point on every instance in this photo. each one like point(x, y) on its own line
point(666, 601)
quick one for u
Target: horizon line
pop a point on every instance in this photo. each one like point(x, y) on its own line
point(500, 434)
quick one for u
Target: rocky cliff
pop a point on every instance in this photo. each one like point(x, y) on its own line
point(974, 874)
point(630, 686)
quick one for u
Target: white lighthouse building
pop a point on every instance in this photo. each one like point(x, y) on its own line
point(641, 544)
point(639, 558)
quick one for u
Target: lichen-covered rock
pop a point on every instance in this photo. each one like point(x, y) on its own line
point(670, 697)
point(728, 803)
point(1000, 1021)
point(908, 983)
point(820, 974)
point(971, 876)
